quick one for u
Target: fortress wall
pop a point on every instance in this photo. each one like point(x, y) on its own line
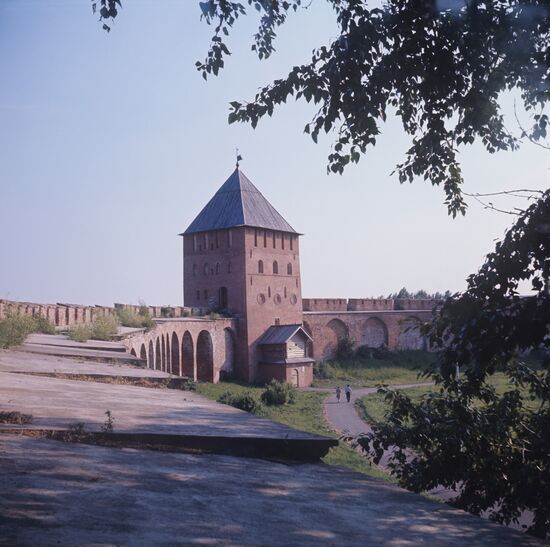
point(415, 304)
point(63, 314)
point(370, 304)
point(391, 329)
point(325, 304)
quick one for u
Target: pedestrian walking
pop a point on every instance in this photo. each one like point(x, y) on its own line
point(347, 391)
point(338, 393)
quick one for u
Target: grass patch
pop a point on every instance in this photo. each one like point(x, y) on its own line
point(15, 328)
point(15, 417)
point(305, 414)
point(374, 408)
point(395, 367)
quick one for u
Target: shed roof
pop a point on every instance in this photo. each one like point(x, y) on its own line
point(281, 334)
point(238, 203)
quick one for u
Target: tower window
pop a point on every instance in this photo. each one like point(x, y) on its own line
point(229, 267)
point(274, 240)
point(194, 242)
point(255, 238)
point(289, 269)
point(275, 267)
point(218, 268)
point(291, 242)
point(285, 292)
point(283, 240)
point(260, 266)
point(198, 295)
point(229, 238)
point(205, 268)
point(265, 238)
point(194, 270)
point(206, 294)
point(269, 292)
point(217, 240)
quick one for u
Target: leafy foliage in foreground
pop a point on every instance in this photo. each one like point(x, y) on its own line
point(492, 447)
point(278, 393)
point(439, 66)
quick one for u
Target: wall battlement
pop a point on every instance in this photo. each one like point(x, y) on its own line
point(367, 304)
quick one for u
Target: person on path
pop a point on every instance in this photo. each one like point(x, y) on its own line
point(338, 393)
point(347, 391)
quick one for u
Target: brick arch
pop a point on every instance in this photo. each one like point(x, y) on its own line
point(143, 352)
point(374, 333)
point(133, 352)
point(151, 360)
point(335, 330)
point(163, 354)
point(227, 369)
point(187, 355)
point(409, 334)
point(175, 355)
point(158, 355)
point(205, 357)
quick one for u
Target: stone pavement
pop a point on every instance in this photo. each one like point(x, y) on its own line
point(55, 493)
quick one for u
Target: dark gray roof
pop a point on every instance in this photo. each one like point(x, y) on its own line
point(238, 203)
point(281, 334)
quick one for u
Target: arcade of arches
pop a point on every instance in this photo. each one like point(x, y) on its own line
point(205, 350)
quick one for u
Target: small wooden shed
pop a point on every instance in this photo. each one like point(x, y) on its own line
point(284, 355)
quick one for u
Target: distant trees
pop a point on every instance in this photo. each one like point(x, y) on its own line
point(419, 295)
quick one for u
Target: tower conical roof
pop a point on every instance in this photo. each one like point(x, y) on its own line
point(238, 203)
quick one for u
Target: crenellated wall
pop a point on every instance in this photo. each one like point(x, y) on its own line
point(64, 315)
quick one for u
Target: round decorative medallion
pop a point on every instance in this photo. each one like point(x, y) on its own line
point(261, 298)
point(277, 299)
point(293, 299)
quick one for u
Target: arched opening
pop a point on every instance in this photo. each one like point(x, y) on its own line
point(275, 267)
point(228, 366)
point(163, 355)
point(295, 377)
point(158, 362)
point(289, 269)
point(175, 355)
point(260, 266)
point(410, 336)
point(309, 343)
point(143, 353)
point(187, 357)
point(334, 331)
point(151, 360)
point(205, 357)
point(168, 354)
point(222, 298)
point(133, 352)
point(375, 333)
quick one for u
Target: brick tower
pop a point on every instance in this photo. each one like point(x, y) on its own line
point(241, 256)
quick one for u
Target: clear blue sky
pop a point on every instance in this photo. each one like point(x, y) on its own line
point(111, 144)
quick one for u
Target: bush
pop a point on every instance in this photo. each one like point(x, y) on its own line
point(14, 329)
point(104, 328)
point(278, 393)
point(129, 318)
point(80, 333)
point(43, 325)
point(167, 311)
point(244, 401)
point(323, 370)
point(346, 349)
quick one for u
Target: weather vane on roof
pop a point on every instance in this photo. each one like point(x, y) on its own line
point(239, 157)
